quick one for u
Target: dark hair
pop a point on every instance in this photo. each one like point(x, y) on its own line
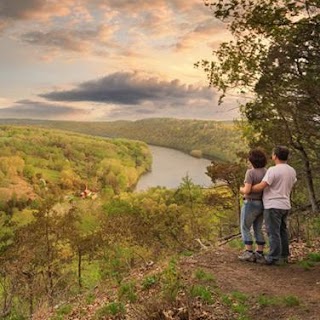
point(281, 152)
point(257, 158)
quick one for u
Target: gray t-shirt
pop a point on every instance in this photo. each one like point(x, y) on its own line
point(280, 180)
point(254, 176)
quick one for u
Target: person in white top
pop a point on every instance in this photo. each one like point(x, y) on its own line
point(277, 185)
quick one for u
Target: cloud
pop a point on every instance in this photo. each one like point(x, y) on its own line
point(73, 40)
point(136, 20)
point(30, 9)
point(40, 110)
point(133, 95)
point(208, 31)
point(192, 110)
point(83, 38)
point(131, 88)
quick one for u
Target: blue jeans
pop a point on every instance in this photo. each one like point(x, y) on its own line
point(276, 223)
point(252, 216)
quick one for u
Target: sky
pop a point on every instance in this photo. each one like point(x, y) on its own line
point(106, 60)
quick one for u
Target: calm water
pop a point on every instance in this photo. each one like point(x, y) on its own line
point(170, 166)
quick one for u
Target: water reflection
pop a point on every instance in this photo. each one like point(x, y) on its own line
point(170, 166)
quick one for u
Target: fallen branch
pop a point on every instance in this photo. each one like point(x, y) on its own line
point(229, 238)
point(203, 246)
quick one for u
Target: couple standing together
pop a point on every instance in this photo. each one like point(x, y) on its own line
point(267, 197)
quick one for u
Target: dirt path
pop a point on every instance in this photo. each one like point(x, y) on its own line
point(261, 280)
point(265, 289)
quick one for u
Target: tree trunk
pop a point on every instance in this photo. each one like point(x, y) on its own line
point(79, 267)
point(309, 179)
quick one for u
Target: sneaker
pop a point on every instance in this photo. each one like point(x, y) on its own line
point(247, 256)
point(260, 258)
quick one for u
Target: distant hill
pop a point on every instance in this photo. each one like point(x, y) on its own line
point(209, 139)
point(34, 159)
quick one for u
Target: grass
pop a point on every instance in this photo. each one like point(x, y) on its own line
point(170, 281)
point(265, 301)
point(126, 292)
point(314, 256)
point(310, 262)
point(289, 301)
point(90, 298)
point(111, 309)
point(187, 253)
point(237, 301)
point(306, 264)
point(149, 282)
point(236, 244)
point(201, 292)
point(201, 275)
point(62, 311)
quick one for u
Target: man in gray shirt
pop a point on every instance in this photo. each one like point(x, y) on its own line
point(277, 185)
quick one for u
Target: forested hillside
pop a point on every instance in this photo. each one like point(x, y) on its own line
point(57, 246)
point(34, 159)
point(210, 139)
point(170, 253)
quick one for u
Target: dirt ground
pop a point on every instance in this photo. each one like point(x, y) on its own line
point(257, 280)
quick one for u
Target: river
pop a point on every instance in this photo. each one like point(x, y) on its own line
point(169, 166)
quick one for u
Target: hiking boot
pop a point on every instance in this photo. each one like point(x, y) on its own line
point(260, 258)
point(247, 256)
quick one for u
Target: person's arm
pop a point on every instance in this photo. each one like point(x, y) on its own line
point(246, 188)
point(259, 187)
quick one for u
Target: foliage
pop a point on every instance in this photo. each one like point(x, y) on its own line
point(274, 55)
point(43, 161)
point(210, 139)
point(55, 245)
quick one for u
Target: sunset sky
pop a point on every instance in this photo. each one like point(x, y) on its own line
point(94, 60)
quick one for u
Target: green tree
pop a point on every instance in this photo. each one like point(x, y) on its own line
point(230, 174)
point(81, 228)
point(274, 55)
